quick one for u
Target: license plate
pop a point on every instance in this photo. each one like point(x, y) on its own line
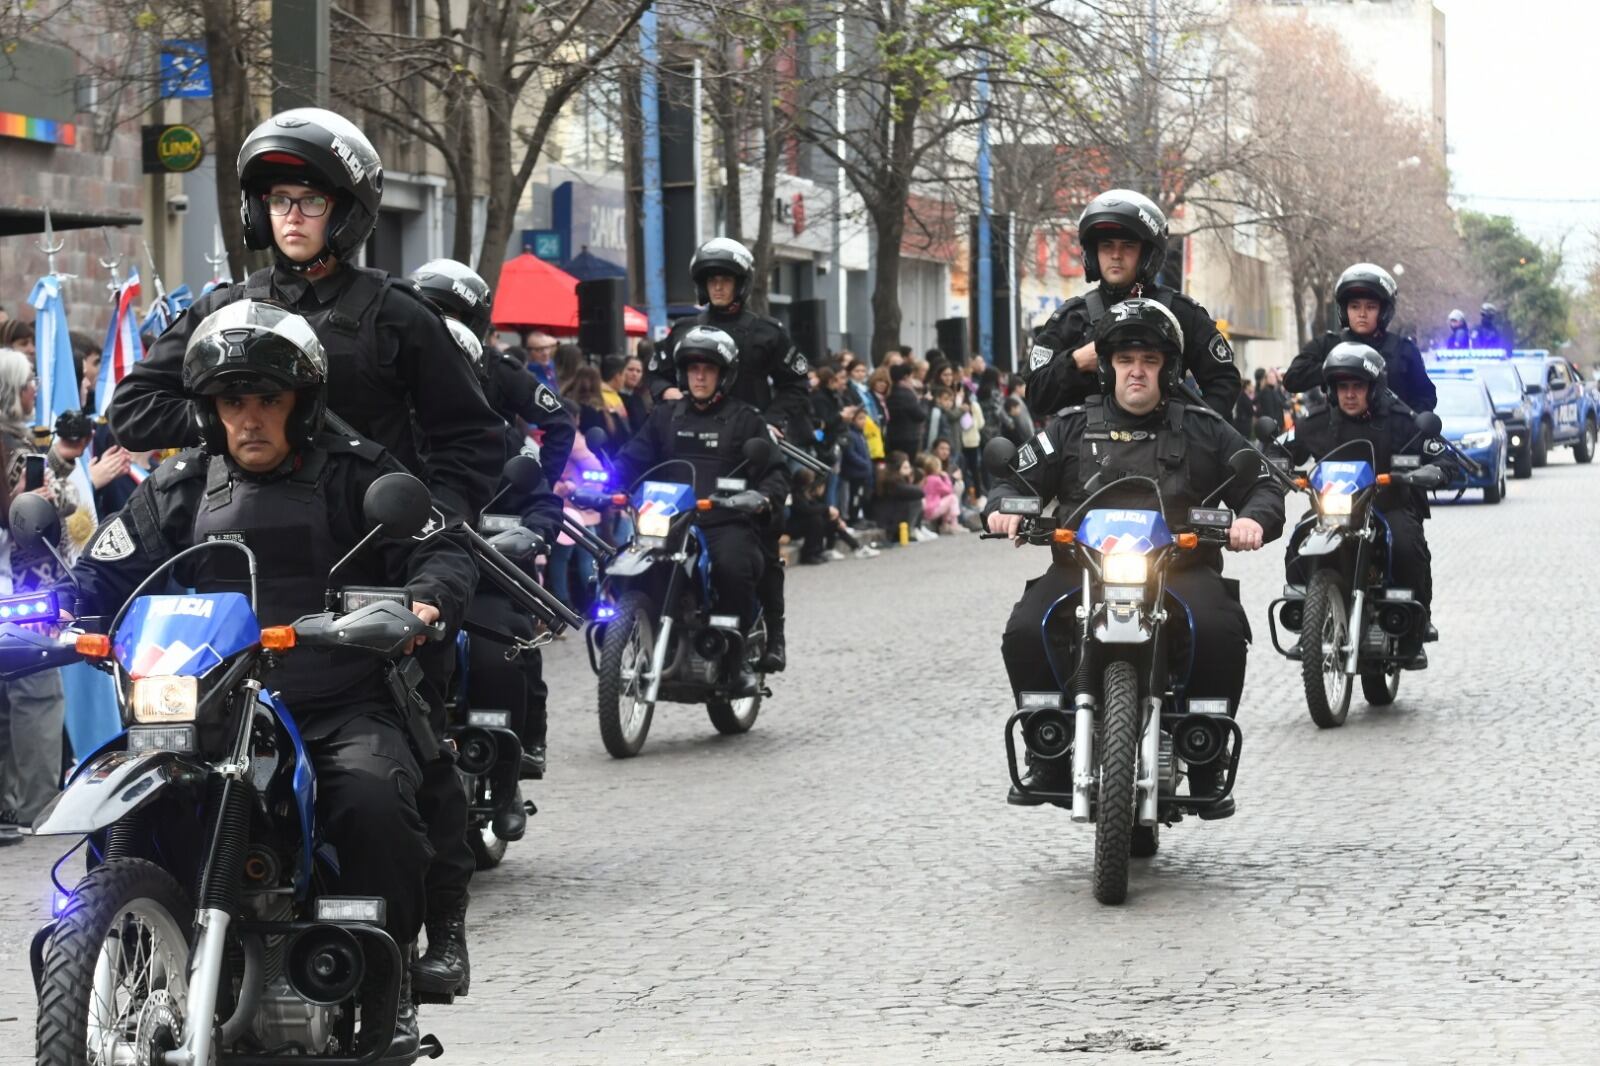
point(1403, 462)
point(732, 484)
point(725, 621)
point(489, 719)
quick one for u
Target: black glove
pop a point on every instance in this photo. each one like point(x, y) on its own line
point(748, 501)
point(1427, 477)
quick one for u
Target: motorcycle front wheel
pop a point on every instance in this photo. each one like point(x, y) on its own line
point(624, 663)
point(115, 985)
point(1119, 764)
point(1323, 636)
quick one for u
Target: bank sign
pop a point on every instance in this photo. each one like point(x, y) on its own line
point(591, 216)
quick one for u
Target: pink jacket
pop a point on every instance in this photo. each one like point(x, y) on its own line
point(935, 487)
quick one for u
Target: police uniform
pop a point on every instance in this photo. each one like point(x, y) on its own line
point(712, 440)
point(1054, 380)
point(515, 393)
point(772, 372)
point(299, 521)
point(1407, 374)
point(1185, 448)
point(1391, 432)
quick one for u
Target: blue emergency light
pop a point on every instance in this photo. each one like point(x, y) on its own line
point(595, 475)
point(35, 607)
point(604, 612)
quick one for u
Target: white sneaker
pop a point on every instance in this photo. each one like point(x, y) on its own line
point(833, 555)
point(866, 551)
point(926, 534)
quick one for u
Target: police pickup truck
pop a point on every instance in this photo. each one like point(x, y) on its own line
point(1559, 412)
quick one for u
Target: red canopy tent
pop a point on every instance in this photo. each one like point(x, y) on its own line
point(534, 294)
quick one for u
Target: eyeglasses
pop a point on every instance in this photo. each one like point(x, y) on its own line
point(312, 206)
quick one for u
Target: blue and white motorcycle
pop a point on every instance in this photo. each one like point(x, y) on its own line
point(201, 932)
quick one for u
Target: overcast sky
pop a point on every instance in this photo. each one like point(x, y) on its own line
point(1522, 82)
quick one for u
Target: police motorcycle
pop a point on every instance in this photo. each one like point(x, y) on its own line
point(487, 748)
point(1351, 619)
point(1120, 647)
point(656, 634)
point(201, 932)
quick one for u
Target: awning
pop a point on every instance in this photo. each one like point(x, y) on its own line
point(534, 294)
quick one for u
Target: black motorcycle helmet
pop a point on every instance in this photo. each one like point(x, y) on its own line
point(325, 151)
point(1352, 361)
point(707, 344)
point(1140, 323)
point(252, 348)
point(1369, 280)
point(457, 291)
point(1489, 312)
point(1123, 212)
point(722, 255)
point(465, 339)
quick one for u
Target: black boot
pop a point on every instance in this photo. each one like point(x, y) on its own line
point(406, 1044)
point(533, 763)
point(773, 660)
point(444, 969)
point(1046, 775)
point(1206, 781)
point(511, 816)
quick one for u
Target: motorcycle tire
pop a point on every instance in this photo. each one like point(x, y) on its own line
point(1322, 635)
point(488, 850)
point(1146, 841)
point(628, 647)
point(1380, 685)
point(119, 900)
point(1119, 765)
point(731, 717)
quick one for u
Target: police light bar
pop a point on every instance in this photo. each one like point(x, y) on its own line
point(35, 607)
point(1451, 355)
point(1452, 372)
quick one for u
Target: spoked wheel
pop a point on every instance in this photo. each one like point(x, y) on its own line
point(116, 974)
point(737, 716)
point(1325, 635)
point(1380, 685)
point(1119, 761)
point(624, 663)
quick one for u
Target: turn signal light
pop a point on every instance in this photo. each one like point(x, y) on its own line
point(1065, 536)
point(1384, 479)
point(619, 499)
point(277, 638)
point(1187, 541)
point(703, 505)
point(93, 645)
point(1302, 483)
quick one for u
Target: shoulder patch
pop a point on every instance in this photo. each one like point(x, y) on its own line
point(113, 542)
point(1026, 457)
point(1221, 350)
point(1044, 442)
point(189, 463)
point(546, 399)
point(357, 446)
point(1039, 355)
point(1433, 447)
point(797, 362)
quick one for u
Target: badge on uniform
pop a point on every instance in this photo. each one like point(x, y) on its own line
point(1026, 457)
point(1220, 349)
point(435, 525)
point(797, 362)
point(546, 399)
point(1433, 447)
point(1038, 356)
point(113, 544)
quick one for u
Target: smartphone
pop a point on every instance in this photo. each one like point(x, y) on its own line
point(33, 473)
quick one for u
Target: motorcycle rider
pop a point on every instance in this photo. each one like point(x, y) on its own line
point(1460, 336)
point(267, 473)
point(1493, 331)
point(459, 294)
point(772, 378)
point(310, 185)
point(1139, 425)
point(1124, 240)
point(1360, 408)
point(1366, 294)
point(707, 425)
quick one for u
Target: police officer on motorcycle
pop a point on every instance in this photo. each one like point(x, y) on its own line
point(1360, 408)
point(772, 378)
point(1366, 294)
point(1460, 336)
point(1139, 425)
point(1493, 330)
point(707, 426)
point(310, 185)
point(1124, 239)
point(459, 294)
point(269, 474)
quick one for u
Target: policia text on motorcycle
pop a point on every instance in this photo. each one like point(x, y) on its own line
point(1139, 426)
point(772, 379)
point(268, 474)
point(1124, 239)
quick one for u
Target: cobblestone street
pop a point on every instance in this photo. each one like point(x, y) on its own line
point(847, 884)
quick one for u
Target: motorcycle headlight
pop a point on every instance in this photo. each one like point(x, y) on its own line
point(1337, 503)
point(160, 700)
point(654, 524)
point(1478, 440)
point(1124, 569)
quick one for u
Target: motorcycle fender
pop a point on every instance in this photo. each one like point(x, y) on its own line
point(1322, 542)
point(112, 787)
point(630, 564)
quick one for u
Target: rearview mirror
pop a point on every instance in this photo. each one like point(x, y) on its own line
point(1245, 464)
point(398, 504)
point(596, 438)
point(1266, 428)
point(1429, 423)
point(524, 472)
point(35, 521)
point(758, 452)
point(1533, 388)
point(998, 455)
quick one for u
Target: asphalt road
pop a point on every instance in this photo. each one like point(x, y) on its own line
point(846, 883)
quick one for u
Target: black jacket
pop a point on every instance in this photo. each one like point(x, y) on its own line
point(515, 393)
point(907, 416)
point(712, 443)
point(1054, 380)
point(1390, 431)
point(1408, 376)
point(772, 372)
point(413, 395)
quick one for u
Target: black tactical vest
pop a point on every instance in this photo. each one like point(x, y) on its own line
point(1160, 453)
